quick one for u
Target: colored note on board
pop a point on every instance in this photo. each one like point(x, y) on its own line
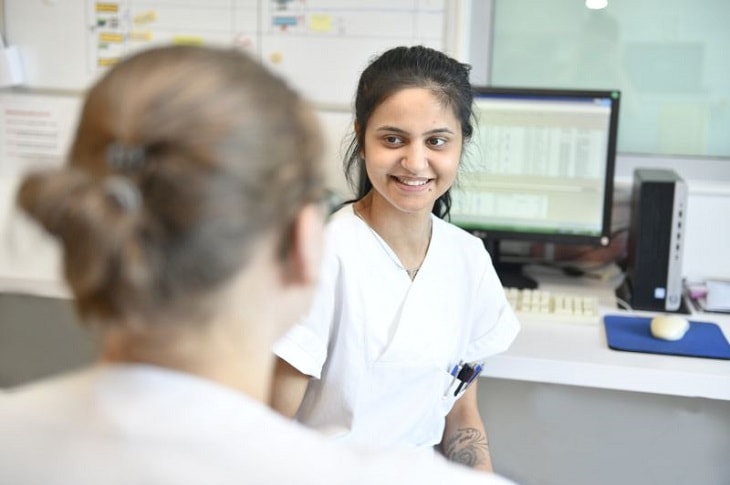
point(320, 23)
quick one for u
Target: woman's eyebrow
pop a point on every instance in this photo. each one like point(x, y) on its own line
point(391, 129)
point(395, 129)
point(436, 131)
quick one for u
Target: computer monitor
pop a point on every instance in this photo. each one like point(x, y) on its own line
point(540, 168)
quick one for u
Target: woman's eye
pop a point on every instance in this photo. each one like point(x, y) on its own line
point(437, 142)
point(393, 140)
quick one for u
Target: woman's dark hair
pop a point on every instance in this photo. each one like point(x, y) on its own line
point(400, 68)
point(184, 158)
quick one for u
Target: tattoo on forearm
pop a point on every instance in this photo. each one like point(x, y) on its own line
point(467, 446)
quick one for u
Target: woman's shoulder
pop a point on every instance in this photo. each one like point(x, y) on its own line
point(456, 235)
point(459, 248)
point(342, 223)
point(344, 215)
point(343, 230)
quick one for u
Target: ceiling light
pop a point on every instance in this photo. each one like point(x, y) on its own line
point(596, 4)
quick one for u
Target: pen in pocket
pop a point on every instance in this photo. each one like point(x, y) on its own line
point(473, 374)
point(455, 373)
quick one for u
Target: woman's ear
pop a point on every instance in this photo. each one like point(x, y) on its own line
point(305, 250)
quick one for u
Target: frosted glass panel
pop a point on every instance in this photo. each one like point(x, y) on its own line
point(669, 58)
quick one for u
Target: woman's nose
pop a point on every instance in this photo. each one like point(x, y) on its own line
point(415, 158)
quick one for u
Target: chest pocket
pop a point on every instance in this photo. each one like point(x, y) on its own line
point(400, 397)
point(402, 404)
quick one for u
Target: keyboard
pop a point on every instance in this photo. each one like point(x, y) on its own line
point(542, 305)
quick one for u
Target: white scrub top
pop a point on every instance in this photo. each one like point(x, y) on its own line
point(137, 424)
point(381, 345)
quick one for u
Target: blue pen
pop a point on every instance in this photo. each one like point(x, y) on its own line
point(454, 372)
point(477, 371)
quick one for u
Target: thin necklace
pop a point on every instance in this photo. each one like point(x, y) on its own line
point(410, 272)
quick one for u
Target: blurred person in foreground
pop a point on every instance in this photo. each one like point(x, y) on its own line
point(190, 218)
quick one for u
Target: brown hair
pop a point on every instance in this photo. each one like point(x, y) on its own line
point(400, 68)
point(184, 156)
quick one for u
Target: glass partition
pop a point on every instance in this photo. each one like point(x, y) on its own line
point(669, 58)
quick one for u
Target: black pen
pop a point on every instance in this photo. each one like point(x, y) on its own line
point(463, 376)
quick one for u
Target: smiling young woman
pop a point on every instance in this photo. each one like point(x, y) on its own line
point(409, 305)
point(412, 149)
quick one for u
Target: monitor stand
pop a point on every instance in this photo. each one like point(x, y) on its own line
point(510, 274)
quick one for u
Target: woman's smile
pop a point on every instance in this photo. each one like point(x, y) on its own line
point(412, 183)
point(413, 145)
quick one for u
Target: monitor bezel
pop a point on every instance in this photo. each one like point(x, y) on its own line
point(604, 237)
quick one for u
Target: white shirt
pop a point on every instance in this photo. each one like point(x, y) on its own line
point(381, 346)
point(139, 425)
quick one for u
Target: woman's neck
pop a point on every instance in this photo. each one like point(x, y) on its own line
point(407, 234)
point(210, 351)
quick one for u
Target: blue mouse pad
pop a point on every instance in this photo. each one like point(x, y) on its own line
point(632, 334)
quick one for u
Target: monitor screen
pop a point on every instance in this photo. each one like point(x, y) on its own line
point(540, 166)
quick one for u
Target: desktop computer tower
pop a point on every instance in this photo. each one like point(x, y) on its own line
point(656, 240)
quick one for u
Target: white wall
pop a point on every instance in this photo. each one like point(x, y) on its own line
point(30, 262)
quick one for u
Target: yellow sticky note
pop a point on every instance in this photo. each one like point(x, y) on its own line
point(187, 40)
point(106, 7)
point(145, 17)
point(319, 22)
point(140, 35)
point(107, 61)
point(111, 37)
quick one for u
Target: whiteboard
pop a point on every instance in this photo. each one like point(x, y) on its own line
point(319, 46)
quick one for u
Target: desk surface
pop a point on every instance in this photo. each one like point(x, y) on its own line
point(575, 354)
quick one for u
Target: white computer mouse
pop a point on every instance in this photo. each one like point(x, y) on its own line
point(669, 327)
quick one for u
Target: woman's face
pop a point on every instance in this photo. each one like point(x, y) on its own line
point(412, 148)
